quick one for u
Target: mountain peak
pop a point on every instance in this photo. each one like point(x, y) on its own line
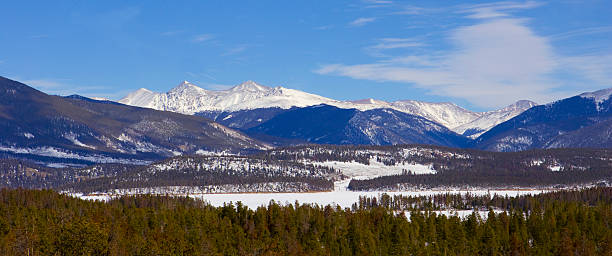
point(186, 87)
point(140, 97)
point(520, 105)
point(141, 90)
point(250, 86)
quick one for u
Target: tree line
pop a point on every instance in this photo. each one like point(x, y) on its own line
point(43, 222)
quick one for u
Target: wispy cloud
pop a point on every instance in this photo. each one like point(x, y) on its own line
point(395, 43)
point(496, 9)
point(324, 27)
point(203, 37)
point(492, 63)
point(201, 74)
point(387, 44)
point(117, 18)
point(582, 32)
point(45, 83)
point(218, 87)
point(411, 10)
point(592, 69)
point(362, 21)
point(63, 87)
point(377, 3)
point(235, 50)
point(172, 32)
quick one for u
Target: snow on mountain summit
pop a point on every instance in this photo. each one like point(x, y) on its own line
point(599, 96)
point(188, 98)
point(489, 119)
point(141, 98)
point(250, 86)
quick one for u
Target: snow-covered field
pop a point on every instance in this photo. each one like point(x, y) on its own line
point(376, 169)
point(340, 198)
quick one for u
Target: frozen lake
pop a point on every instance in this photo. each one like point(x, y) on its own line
point(341, 196)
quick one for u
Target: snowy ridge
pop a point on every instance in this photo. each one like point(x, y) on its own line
point(598, 96)
point(188, 98)
point(490, 119)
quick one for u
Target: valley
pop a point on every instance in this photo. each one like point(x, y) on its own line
point(278, 143)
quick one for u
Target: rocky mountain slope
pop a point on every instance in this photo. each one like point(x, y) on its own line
point(581, 121)
point(324, 124)
point(79, 130)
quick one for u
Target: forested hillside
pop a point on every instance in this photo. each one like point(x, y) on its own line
point(34, 222)
point(317, 167)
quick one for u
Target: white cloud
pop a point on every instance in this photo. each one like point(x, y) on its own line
point(203, 37)
point(493, 63)
point(362, 21)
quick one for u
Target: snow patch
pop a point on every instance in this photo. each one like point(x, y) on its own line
point(59, 153)
point(73, 138)
point(376, 169)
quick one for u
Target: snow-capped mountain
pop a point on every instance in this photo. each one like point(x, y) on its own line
point(581, 121)
point(490, 119)
point(325, 124)
point(188, 98)
point(444, 113)
point(80, 130)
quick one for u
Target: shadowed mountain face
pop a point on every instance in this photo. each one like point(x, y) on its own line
point(325, 124)
point(579, 121)
point(79, 130)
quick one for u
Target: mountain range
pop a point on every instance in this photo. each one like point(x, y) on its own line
point(282, 116)
point(188, 98)
point(76, 130)
point(79, 130)
point(581, 121)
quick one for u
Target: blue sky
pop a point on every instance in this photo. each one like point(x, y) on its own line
point(480, 55)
